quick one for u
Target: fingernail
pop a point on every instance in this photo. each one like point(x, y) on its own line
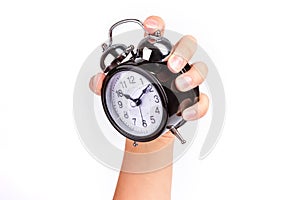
point(184, 83)
point(175, 63)
point(152, 24)
point(189, 114)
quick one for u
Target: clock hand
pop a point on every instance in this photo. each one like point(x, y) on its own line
point(136, 101)
point(143, 92)
point(141, 114)
point(128, 97)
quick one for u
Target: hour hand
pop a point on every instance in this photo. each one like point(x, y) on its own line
point(128, 97)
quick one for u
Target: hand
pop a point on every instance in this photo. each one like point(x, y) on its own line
point(183, 51)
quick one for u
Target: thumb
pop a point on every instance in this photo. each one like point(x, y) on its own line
point(96, 83)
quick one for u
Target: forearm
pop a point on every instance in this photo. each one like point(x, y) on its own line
point(146, 175)
point(146, 186)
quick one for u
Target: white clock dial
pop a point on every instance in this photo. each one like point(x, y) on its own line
point(134, 103)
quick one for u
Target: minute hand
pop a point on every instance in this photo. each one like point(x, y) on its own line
point(144, 91)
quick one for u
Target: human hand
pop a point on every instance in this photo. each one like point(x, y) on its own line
point(182, 52)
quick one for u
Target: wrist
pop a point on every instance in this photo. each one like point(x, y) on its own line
point(148, 156)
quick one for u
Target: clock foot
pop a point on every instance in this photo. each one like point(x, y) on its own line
point(177, 134)
point(135, 144)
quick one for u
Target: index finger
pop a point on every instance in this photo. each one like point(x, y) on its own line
point(183, 51)
point(153, 24)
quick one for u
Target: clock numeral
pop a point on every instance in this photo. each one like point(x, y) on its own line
point(142, 81)
point(156, 100)
point(152, 119)
point(123, 83)
point(131, 79)
point(134, 121)
point(151, 89)
point(144, 123)
point(157, 110)
point(126, 115)
point(119, 93)
point(120, 104)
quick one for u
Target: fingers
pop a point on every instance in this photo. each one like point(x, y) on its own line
point(96, 83)
point(182, 53)
point(197, 110)
point(192, 78)
point(154, 23)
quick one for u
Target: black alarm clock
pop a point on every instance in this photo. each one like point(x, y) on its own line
point(138, 94)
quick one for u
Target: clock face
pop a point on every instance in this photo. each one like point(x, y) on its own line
point(135, 104)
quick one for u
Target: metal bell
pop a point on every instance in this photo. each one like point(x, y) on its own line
point(154, 48)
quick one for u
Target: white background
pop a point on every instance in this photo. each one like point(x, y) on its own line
point(254, 44)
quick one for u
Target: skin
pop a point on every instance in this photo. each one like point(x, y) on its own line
point(147, 184)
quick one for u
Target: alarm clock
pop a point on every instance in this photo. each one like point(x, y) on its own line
point(138, 94)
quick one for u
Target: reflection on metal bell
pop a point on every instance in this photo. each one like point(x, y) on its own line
point(154, 48)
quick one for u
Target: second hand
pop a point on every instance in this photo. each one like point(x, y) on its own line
point(141, 114)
